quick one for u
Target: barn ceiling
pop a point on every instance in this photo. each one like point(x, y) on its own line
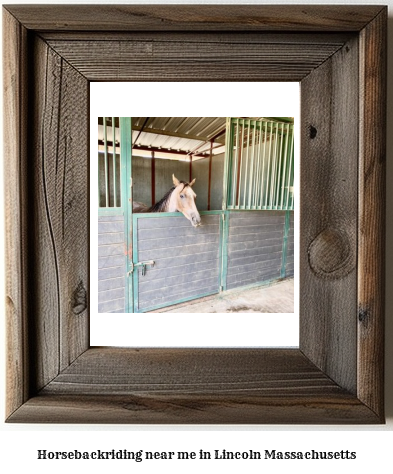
point(190, 136)
point(180, 138)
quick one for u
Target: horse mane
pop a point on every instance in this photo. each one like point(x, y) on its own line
point(161, 204)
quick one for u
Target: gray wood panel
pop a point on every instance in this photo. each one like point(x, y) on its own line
point(163, 243)
point(164, 171)
point(328, 235)
point(186, 259)
point(111, 283)
point(289, 265)
point(200, 171)
point(111, 264)
point(185, 230)
point(15, 40)
point(104, 262)
point(141, 177)
point(255, 240)
point(268, 59)
point(217, 182)
point(112, 306)
point(372, 217)
point(163, 222)
point(110, 238)
point(58, 211)
point(190, 18)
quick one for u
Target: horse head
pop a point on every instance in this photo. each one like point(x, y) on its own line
point(183, 200)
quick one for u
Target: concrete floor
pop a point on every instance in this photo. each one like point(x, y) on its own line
point(276, 298)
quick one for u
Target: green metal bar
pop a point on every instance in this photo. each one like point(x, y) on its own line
point(224, 231)
point(281, 119)
point(183, 300)
point(135, 275)
point(251, 180)
point(98, 181)
point(269, 159)
point(256, 183)
point(227, 165)
point(239, 171)
point(114, 161)
point(247, 160)
point(279, 177)
point(110, 211)
point(158, 215)
point(259, 168)
point(263, 173)
point(274, 170)
point(284, 180)
point(126, 203)
point(259, 284)
point(290, 172)
point(234, 163)
point(106, 165)
point(285, 244)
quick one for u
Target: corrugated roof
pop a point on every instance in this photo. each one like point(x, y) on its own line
point(186, 135)
point(177, 137)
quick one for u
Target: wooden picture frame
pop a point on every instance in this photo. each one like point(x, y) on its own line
point(338, 54)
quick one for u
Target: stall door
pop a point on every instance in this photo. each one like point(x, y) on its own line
point(114, 211)
point(173, 261)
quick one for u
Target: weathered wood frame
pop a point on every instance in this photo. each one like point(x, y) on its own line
point(338, 53)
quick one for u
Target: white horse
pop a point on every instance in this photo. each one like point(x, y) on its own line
point(180, 198)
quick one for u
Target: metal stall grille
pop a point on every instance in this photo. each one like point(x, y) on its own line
point(259, 171)
point(113, 168)
point(109, 164)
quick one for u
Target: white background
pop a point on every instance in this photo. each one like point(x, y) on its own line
point(19, 443)
point(209, 100)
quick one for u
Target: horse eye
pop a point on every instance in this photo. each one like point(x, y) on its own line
point(182, 196)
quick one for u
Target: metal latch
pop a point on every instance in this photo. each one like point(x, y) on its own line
point(141, 264)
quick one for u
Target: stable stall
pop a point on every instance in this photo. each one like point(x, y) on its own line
point(244, 171)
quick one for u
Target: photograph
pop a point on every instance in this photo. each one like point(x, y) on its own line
point(195, 214)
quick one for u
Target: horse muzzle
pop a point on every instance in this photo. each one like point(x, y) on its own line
point(196, 221)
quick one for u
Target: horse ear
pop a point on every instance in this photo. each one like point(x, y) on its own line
point(176, 182)
point(192, 182)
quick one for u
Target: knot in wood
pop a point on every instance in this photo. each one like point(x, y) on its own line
point(80, 299)
point(330, 254)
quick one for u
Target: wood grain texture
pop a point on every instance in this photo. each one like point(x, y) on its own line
point(60, 217)
point(336, 377)
point(328, 233)
point(371, 229)
point(193, 386)
point(157, 60)
point(14, 148)
point(195, 17)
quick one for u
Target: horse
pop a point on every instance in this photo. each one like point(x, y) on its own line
point(180, 198)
